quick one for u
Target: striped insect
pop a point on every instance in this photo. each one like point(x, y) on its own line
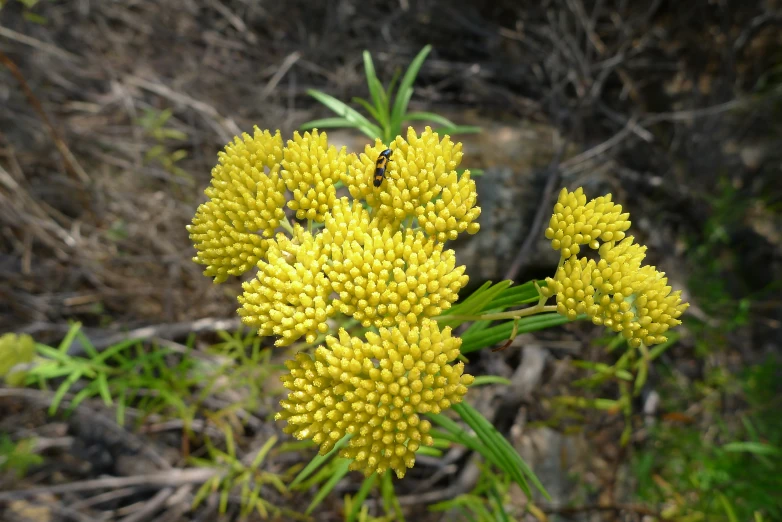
point(380, 167)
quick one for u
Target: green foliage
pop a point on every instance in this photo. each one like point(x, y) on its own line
point(155, 381)
point(231, 473)
point(154, 124)
point(734, 472)
point(485, 503)
point(484, 307)
point(17, 457)
point(490, 444)
point(388, 116)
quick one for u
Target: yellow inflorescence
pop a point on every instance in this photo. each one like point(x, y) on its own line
point(245, 206)
point(378, 258)
point(375, 391)
point(385, 278)
point(310, 168)
point(616, 290)
point(576, 222)
point(421, 183)
point(289, 297)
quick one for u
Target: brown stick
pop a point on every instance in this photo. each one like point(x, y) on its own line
point(70, 162)
point(164, 479)
point(641, 510)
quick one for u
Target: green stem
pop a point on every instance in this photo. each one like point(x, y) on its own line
point(287, 225)
point(513, 314)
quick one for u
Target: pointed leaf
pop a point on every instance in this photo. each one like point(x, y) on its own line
point(406, 88)
point(317, 461)
point(364, 125)
point(339, 473)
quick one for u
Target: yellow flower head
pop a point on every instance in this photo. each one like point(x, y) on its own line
point(15, 352)
point(618, 292)
point(289, 297)
point(375, 391)
point(384, 277)
point(576, 222)
point(420, 182)
point(245, 205)
point(310, 168)
point(347, 221)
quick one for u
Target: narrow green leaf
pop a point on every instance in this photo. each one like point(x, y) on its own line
point(459, 129)
point(643, 369)
point(502, 516)
point(361, 495)
point(372, 81)
point(103, 389)
point(430, 452)
point(69, 337)
point(390, 501)
point(383, 112)
point(341, 109)
point(267, 446)
point(62, 390)
point(328, 123)
point(515, 296)
point(89, 349)
point(475, 303)
point(83, 394)
point(406, 88)
point(489, 379)
point(757, 448)
point(726, 505)
point(340, 471)
point(393, 84)
point(121, 404)
point(371, 110)
point(491, 446)
point(487, 433)
point(493, 335)
point(317, 461)
point(396, 120)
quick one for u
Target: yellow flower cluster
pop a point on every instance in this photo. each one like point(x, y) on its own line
point(616, 290)
point(245, 206)
point(375, 391)
point(310, 169)
point(576, 222)
point(421, 183)
point(386, 277)
point(379, 258)
point(289, 297)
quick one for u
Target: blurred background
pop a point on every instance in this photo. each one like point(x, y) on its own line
point(111, 117)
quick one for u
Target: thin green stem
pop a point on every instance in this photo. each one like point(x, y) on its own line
point(513, 314)
point(287, 225)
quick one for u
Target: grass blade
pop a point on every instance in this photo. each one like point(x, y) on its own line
point(371, 110)
point(317, 461)
point(458, 129)
point(69, 337)
point(373, 83)
point(490, 336)
point(363, 492)
point(341, 109)
point(489, 435)
point(328, 123)
point(406, 88)
point(340, 471)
